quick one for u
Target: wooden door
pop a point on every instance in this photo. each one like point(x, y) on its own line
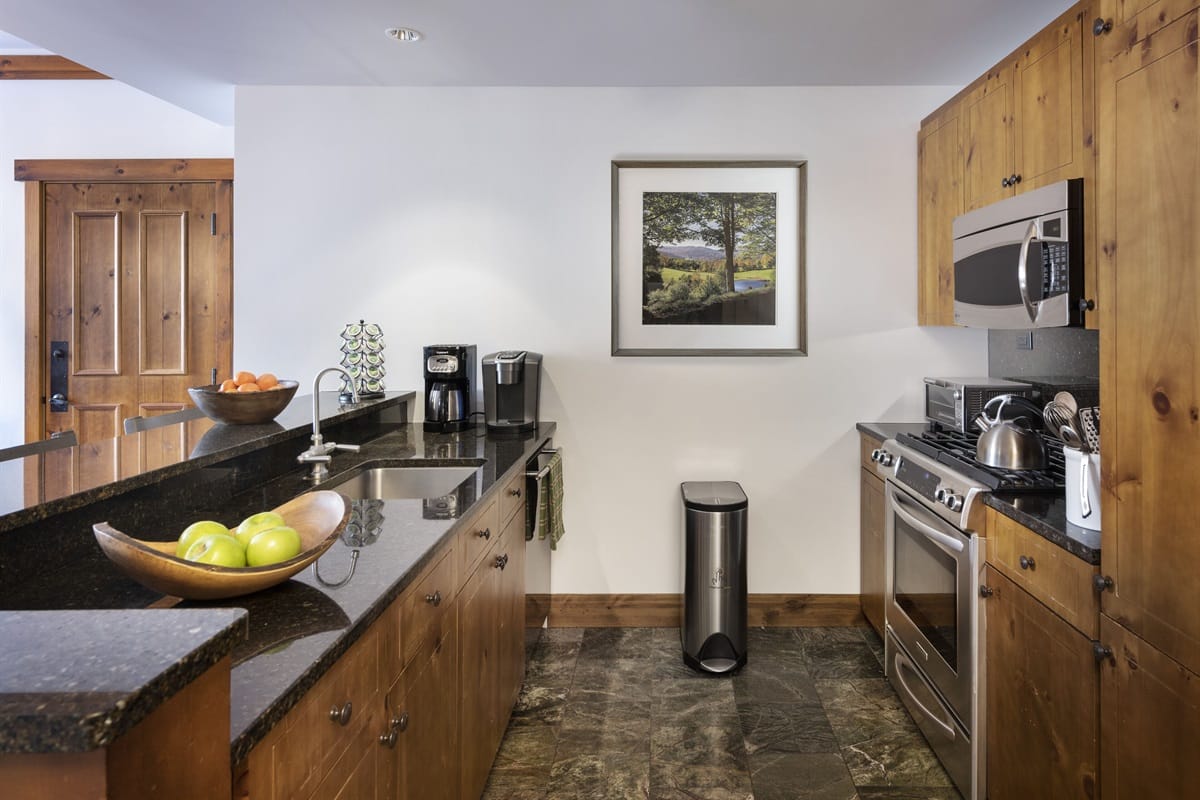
point(939, 201)
point(511, 548)
point(1053, 112)
point(136, 279)
point(1149, 215)
point(1042, 700)
point(1150, 726)
point(872, 575)
point(989, 157)
point(480, 685)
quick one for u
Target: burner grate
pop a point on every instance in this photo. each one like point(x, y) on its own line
point(957, 451)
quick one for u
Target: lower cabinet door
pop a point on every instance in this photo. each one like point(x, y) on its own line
point(872, 573)
point(359, 785)
point(479, 638)
point(1042, 700)
point(1150, 726)
point(511, 658)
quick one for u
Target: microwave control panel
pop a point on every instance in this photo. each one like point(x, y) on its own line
point(1056, 273)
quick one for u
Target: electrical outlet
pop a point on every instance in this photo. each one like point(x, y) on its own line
point(1025, 340)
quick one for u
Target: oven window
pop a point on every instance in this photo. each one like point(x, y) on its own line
point(926, 581)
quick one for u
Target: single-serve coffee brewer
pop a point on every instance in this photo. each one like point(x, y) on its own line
point(449, 369)
point(511, 380)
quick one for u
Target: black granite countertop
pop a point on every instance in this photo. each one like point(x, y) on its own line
point(298, 629)
point(1044, 514)
point(73, 681)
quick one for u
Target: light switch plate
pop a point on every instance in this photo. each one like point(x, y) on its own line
point(1025, 340)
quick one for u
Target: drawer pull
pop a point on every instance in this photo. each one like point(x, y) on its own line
point(1101, 652)
point(1027, 562)
point(986, 591)
point(341, 715)
point(502, 561)
point(1102, 583)
point(484, 534)
point(514, 492)
point(388, 739)
point(401, 723)
point(434, 599)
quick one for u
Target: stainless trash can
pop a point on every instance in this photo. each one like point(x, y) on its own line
point(714, 575)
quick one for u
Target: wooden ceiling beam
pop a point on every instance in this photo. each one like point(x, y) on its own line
point(45, 68)
point(138, 170)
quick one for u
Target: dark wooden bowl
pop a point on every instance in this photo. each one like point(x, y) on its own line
point(243, 408)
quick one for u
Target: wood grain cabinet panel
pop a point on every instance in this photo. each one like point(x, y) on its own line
point(1150, 727)
point(988, 155)
point(427, 611)
point(1042, 700)
point(939, 201)
point(872, 559)
point(1051, 574)
point(477, 538)
point(1149, 212)
point(512, 497)
point(479, 696)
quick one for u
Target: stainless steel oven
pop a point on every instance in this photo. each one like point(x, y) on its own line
point(932, 606)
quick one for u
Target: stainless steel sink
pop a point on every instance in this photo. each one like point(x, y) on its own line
point(394, 483)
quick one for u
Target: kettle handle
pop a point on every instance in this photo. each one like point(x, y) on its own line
point(1003, 401)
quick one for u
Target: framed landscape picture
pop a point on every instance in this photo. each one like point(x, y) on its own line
point(708, 258)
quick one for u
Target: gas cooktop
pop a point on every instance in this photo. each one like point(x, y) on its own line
point(956, 450)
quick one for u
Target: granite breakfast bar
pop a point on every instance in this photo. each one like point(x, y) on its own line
point(279, 643)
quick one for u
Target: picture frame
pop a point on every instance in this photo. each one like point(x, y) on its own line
point(708, 258)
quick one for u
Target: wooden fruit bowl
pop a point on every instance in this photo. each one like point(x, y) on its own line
point(319, 518)
point(243, 408)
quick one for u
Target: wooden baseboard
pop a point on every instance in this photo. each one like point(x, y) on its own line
point(537, 609)
point(665, 610)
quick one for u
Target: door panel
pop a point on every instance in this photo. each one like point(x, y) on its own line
point(92, 297)
point(163, 296)
point(989, 148)
point(939, 201)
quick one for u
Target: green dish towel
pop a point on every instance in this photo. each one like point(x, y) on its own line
point(550, 499)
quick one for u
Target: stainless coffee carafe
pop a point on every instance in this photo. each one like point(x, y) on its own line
point(448, 372)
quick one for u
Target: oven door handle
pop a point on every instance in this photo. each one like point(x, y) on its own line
point(924, 528)
point(903, 663)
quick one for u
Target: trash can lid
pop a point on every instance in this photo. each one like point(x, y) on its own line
point(713, 495)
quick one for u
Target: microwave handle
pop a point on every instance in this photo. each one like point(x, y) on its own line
point(1022, 276)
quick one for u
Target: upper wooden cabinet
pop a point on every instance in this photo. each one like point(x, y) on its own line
point(1148, 90)
point(1027, 123)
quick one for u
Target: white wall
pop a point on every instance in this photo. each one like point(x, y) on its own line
point(73, 119)
point(483, 215)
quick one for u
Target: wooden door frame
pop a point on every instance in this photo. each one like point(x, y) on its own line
point(39, 172)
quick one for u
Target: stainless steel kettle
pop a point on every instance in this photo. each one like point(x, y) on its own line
point(1013, 443)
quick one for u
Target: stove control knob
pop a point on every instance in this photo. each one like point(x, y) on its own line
point(954, 502)
point(882, 457)
point(941, 494)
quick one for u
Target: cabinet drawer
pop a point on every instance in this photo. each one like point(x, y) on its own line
point(866, 445)
point(512, 497)
point(477, 537)
point(391, 646)
point(425, 618)
point(1049, 573)
point(314, 742)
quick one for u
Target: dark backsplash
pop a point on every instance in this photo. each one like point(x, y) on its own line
point(1056, 351)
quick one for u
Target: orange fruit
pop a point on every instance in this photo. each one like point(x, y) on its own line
point(243, 378)
point(249, 387)
point(267, 381)
point(228, 386)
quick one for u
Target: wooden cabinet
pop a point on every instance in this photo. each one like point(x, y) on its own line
point(418, 734)
point(871, 543)
point(1026, 123)
point(1042, 700)
point(1148, 173)
point(1150, 726)
point(939, 201)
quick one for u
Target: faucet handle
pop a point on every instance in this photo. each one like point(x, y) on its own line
point(349, 448)
point(309, 457)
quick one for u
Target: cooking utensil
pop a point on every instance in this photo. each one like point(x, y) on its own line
point(1056, 415)
point(1067, 399)
point(1089, 418)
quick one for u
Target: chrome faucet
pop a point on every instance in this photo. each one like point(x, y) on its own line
point(318, 454)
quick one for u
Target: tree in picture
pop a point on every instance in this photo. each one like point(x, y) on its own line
point(708, 258)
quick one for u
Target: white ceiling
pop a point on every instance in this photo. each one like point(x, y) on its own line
point(193, 53)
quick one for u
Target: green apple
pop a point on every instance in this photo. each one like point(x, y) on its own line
point(273, 546)
point(218, 549)
point(192, 533)
point(255, 524)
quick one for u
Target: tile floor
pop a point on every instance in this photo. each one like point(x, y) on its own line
point(613, 713)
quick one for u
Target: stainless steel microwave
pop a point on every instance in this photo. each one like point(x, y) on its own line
point(1018, 263)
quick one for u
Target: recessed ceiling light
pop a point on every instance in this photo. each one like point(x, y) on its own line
point(404, 34)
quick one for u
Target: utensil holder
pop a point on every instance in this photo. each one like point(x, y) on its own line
point(1082, 488)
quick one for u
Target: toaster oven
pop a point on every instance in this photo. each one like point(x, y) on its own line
point(954, 402)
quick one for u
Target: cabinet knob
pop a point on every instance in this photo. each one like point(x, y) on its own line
point(484, 534)
point(1101, 26)
point(400, 723)
point(1004, 182)
point(388, 739)
point(986, 591)
point(1101, 652)
point(1013, 180)
point(1027, 562)
point(434, 599)
point(514, 492)
point(341, 715)
point(502, 561)
point(1102, 583)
